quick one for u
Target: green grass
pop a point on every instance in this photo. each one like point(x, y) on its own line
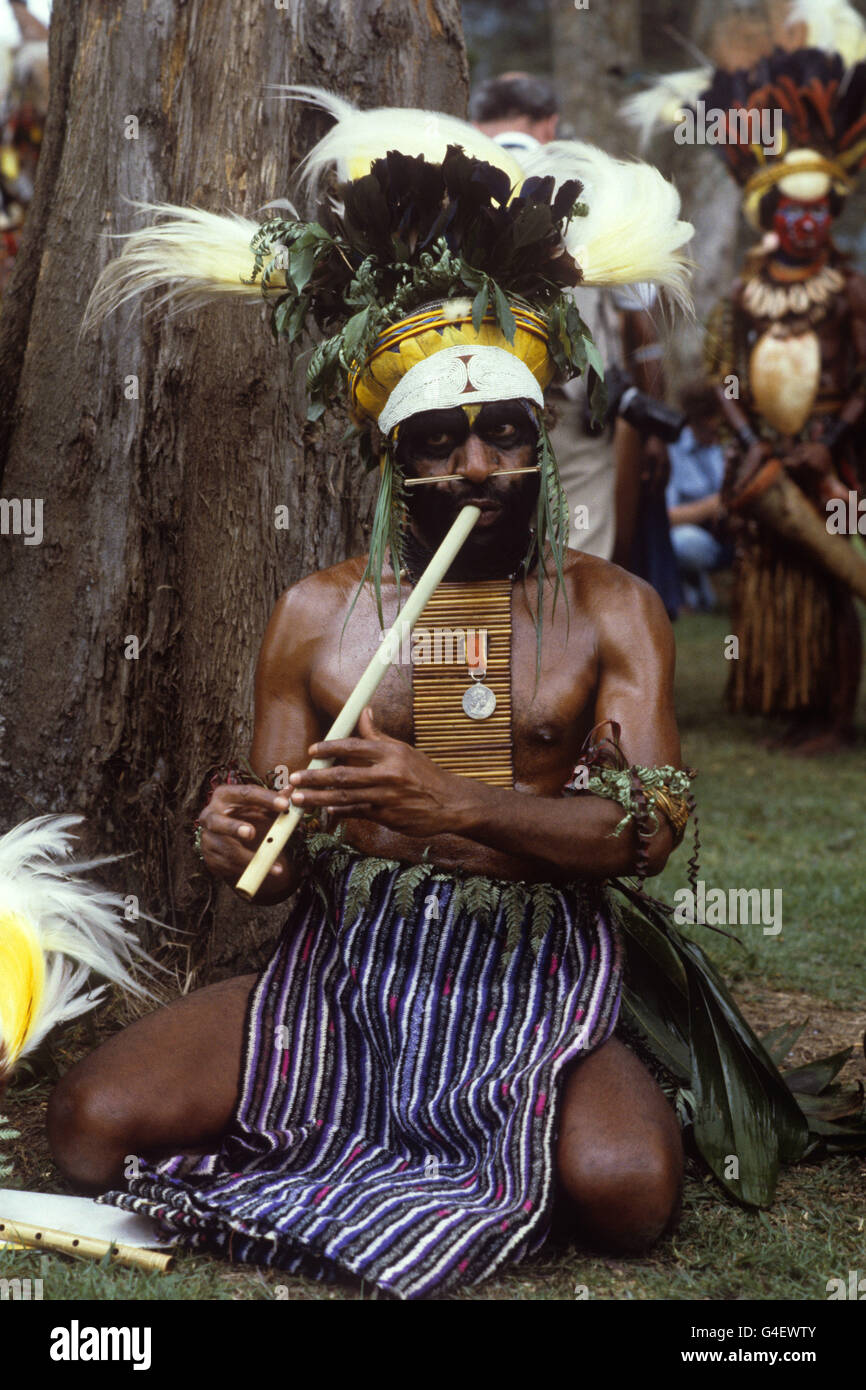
point(768, 821)
point(814, 1232)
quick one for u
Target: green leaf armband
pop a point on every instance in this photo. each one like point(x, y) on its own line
point(642, 792)
point(664, 787)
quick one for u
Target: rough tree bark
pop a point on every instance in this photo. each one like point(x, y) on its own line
point(159, 510)
point(593, 47)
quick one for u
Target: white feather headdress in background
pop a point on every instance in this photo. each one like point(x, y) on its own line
point(833, 25)
point(661, 106)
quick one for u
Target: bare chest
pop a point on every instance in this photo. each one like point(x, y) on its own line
point(550, 714)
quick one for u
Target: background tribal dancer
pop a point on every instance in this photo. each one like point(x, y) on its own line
point(791, 336)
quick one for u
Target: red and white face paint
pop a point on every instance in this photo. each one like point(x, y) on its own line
point(802, 228)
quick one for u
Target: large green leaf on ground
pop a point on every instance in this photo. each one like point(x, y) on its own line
point(663, 1041)
point(655, 995)
point(838, 1103)
point(779, 1041)
point(814, 1077)
point(743, 1109)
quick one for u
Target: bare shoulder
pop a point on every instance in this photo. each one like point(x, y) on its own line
point(303, 614)
point(626, 610)
point(600, 582)
point(317, 595)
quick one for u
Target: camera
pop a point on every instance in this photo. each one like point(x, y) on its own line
point(644, 413)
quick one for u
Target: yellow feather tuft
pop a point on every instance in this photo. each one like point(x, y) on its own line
point(55, 928)
point(22, 985)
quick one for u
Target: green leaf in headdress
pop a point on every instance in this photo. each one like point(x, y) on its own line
point(593, 356)
point(352, 337)
point(597, 399)
point(503, 313)
point(302, 261)
point(479, 305)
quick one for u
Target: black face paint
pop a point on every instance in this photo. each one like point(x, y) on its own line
point(429, 445)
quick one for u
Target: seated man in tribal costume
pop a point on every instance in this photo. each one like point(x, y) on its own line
point(426, 1066)
point(170, 1081)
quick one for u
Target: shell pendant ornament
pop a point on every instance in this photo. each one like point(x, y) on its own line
point(783, 377)
point(479, 701)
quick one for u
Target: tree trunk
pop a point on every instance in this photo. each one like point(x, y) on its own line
point(593, 48)
point(160, 448)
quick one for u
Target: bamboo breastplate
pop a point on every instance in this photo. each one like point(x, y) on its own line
point(444, 646)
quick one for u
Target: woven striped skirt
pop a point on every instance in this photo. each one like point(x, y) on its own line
point(398, 1102)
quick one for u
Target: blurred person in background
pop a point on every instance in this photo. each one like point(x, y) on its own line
point(23, 108)
point(693, 496)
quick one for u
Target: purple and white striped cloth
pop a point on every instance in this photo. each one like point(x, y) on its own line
point(397, 1112)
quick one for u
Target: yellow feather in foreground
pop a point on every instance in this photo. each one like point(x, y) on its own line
point(22, 985)
point(55, 928)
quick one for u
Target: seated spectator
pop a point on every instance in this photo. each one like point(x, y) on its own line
point(695, 509)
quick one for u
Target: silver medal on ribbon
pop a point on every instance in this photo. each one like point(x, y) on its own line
point(479, 701)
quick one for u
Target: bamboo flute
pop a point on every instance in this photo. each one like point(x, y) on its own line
point(67, 1243)
point(266, 855)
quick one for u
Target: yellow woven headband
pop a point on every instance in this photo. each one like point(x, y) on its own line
point(767, 177)
point(519, 369)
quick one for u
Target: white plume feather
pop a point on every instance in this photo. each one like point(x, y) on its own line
point(194, 256)
point(633, 232)
point(55, 927)
point(660, 107)
point(359, 137)
point(833, 25)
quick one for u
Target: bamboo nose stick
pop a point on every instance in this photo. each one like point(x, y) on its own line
point(266, 855)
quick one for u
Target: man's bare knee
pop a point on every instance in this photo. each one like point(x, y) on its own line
point(88, 1132)
point(623, 1200)
point(166, 1084)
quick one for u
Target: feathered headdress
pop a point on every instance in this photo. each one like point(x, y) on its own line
point(437, 240)
point(55, 928)
point(823, 137)
point(809, 68)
